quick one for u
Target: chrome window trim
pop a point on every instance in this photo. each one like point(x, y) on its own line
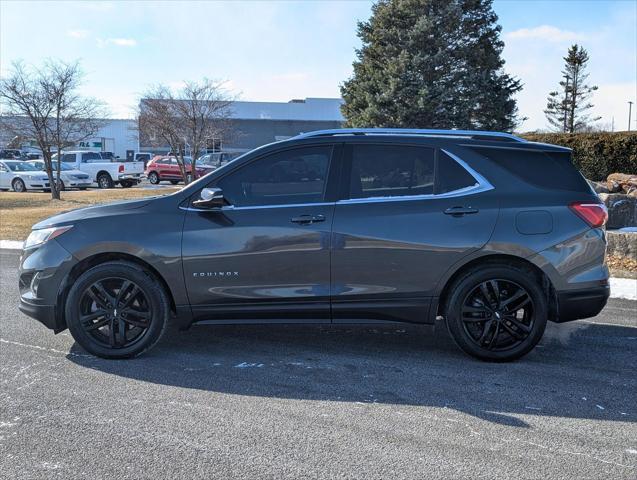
point(482, 185)
point(232, 208)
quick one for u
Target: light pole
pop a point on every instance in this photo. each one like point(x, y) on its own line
point(630, 111)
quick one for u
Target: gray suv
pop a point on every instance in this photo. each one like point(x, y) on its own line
point(494, 234)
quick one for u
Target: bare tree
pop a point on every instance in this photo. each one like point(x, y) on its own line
point(189, 119)
point(43, 105)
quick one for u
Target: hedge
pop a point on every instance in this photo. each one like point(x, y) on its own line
point(596, 154)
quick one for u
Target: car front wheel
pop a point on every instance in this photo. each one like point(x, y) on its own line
point(153, 178)
point(496, 313)
point(18, 185)
point(115, 310)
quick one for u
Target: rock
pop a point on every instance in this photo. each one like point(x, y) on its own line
point(613, 187)
point(599, 187)
point(622, 244)
point(622, 209)
point(621, 182)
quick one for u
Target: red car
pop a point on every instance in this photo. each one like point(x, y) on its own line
point(167, 168)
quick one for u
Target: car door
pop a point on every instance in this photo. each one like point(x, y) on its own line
point(408, 213)
point(5, 176)
point(266, 255)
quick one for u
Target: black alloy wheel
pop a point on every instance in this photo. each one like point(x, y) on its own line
point(115, 312)
point(496, 312)
point(498, 315)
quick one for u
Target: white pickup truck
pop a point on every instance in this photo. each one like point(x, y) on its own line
point(106, 174)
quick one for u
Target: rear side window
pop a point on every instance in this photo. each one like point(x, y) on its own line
point(551, 170)
point(68, 157)
point(391, 171)
point(91, 157)
point(452, 176)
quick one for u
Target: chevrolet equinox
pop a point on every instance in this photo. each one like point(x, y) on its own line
point(494, 234)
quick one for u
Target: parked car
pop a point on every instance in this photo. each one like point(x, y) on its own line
point(22, 176)
point(214, 160)
point(143, 157)
point(10, 154)
point(69, 176)
point(492, 233)
point(105, 173)
point(166, 168)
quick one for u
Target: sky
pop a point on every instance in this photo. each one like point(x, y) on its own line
point(279, 50)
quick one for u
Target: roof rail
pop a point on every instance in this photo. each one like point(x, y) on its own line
point(474, 134)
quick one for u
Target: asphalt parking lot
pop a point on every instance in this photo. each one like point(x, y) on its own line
point(317, 402)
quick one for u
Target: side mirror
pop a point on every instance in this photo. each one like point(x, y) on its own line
point(210, 198)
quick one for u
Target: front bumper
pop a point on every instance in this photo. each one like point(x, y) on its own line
point(43, 276)
point(577, 304)
point(37, 184)
point(45, 314)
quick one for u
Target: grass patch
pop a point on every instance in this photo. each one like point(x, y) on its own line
point(19, 211)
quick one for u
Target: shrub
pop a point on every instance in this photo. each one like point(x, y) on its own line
point(597, 155)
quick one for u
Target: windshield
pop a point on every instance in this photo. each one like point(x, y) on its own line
point(21, 167)
point(40, 166)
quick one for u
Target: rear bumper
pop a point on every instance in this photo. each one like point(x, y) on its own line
point(130, 176)
point(577, 304)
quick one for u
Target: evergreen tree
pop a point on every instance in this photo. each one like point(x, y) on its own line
point(566, 108)
point(431, 64)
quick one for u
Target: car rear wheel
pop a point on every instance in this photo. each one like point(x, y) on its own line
point(496, 313)
point(115, 310)
point(153, 178)
point(104, 180)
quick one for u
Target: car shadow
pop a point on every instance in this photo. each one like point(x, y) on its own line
point(579, 370)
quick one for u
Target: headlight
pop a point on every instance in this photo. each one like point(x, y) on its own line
point(38, 237)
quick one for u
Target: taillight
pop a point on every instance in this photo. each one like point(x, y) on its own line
point(121, 169)
point(595, 214)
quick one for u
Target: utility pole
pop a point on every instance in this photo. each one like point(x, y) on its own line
point(630, 111)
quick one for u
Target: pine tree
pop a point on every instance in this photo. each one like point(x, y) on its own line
point(431, 64)
point(566, 108)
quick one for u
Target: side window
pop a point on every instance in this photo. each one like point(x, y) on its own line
point(391, 171)
point(68, 158)
point(91, 157)
point(293, 176)
point(451, 175)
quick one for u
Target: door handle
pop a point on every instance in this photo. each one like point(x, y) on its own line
point(308, 219)
point(460, 211)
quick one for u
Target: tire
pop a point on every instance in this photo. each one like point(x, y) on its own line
point(153, 178)
point(18, 185)
point(126, 184)
point(104, 181)
point(174, 182)
point(501, 324)
point(140, 292)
